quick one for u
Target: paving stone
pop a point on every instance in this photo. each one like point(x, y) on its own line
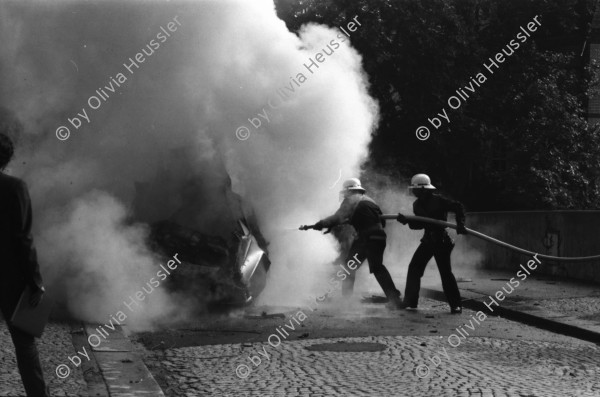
point(54, 347)
point(480, 366)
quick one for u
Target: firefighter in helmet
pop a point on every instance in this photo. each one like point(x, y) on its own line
point(435, 242)
point(363, 213)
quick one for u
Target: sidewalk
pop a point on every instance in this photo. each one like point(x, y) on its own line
point(54, 347)
point(564, 306)
point(114, 368)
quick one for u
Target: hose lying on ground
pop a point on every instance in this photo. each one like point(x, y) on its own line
point(492, 240)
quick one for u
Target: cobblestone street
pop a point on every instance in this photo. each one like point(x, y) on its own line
point(543, 365)
point(55, 346)
point(498, 358)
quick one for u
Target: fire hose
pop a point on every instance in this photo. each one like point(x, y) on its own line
point(492, 240)
point(481, 236)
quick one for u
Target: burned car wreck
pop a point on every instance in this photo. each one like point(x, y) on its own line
point(225, 272)
point(224, 254)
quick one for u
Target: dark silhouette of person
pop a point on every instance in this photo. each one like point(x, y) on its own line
point(19, 267)
point(435, 243)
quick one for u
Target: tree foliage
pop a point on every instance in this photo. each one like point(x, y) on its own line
point(521, 141)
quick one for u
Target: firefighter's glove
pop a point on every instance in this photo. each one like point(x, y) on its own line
point(461, 229)
point(318, 226)
point(402, 219)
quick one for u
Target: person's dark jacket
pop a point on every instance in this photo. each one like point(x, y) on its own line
point(362, 214)
point(18, 258)
point(436, 207)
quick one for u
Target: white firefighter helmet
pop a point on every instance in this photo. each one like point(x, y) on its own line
point(352, 185)
point(421, 181)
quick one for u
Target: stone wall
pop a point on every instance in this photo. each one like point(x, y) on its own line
point(557, 233)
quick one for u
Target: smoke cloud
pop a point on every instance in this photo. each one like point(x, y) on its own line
point(171, 128)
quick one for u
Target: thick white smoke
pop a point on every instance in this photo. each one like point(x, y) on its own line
point(289, 166)
point(173, 123)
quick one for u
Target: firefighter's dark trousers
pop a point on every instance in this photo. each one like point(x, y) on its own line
point(370, 248)
point(441, 252)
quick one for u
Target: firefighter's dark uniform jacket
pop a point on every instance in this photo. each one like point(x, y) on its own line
point(362, 214)
point(436, 207)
